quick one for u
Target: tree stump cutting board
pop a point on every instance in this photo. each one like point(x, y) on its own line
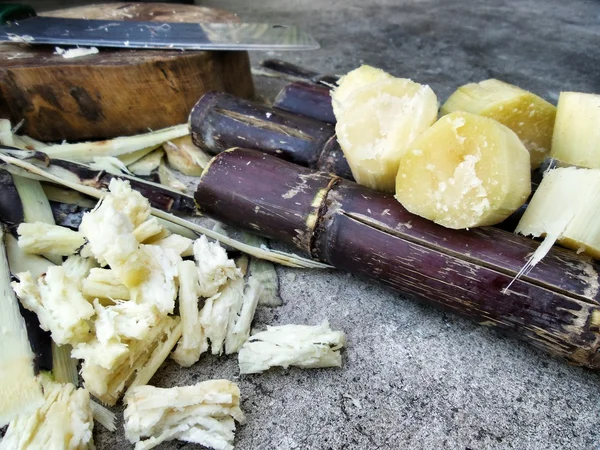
point(116, 92)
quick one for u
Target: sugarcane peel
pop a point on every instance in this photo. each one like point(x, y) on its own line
point(377, 120)
point(104, 284)
point(86, 151)
point(181, 245)
point(463, 172)
point(148, 164)
point(563, 209)
point(219, 313)
point(19, 261)
point(160, 284)
point(42, 238)
point(204, 413)
point(239, 331)
point(109, 368)
point(177, 223)
point(185, 157)
point(64, 367)
point(57, 301)
point(528, 115)
point(168, 178)
point(104, 416)
point(78, 268)
point(148, 230)
point(265, 274)
point(303, 346)
point(6, 134)
point(193, 341)
point(576, 138)
point(64, 421)
point(20, 392)
point(109, 230)
point(214, 266)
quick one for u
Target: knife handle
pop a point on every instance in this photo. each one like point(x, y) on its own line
point(10, 12)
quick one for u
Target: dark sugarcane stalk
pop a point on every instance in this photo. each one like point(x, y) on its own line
point(306, 99)
point(220, 121)
point(287, 70)
point(159, 196)
point(555, 307)
point(11, 209)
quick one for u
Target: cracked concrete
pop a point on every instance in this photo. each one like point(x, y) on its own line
point(414, 376)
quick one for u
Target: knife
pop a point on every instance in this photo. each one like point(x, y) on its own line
point(21, 24)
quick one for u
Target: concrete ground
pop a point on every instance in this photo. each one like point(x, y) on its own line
point(414, 376)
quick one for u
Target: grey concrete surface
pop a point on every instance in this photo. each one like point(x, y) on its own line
point(415, 377)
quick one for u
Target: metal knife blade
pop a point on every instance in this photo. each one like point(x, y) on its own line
point(178, 36)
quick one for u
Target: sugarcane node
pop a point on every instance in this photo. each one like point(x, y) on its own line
point(369, 234)
point(288, 216)
point(220, 121)
point(306, 99)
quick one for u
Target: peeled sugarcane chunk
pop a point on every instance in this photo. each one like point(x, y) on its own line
point(565, 209)
point(529, 116)
point(377, 121)
point(355, 79)
point(465, 171)
point(576, 139)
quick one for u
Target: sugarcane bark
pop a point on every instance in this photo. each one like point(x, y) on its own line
point(555, 306)
point(220, 121)
point(287, 70)
point(116, 92)
point(159, 196)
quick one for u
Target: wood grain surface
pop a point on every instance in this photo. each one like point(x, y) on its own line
point(117, 91)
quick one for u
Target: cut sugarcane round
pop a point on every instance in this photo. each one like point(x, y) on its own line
point(464, 171)
point(377, 122)
point(529, 116)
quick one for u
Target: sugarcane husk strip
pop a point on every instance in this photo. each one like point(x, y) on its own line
point(6, 133)
point(220, 121)
point(86, 151)
point(31, 143)
point(148, 164)
point(64, 368)
point(103, 416)
point(282, 258)
point(160, 196)
point(371, 235)
point(130, 158)
point(306, 99)
point(19, 261)
point(60, 195)
point(168, 178)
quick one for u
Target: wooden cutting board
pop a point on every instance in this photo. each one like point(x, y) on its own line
point(117, 91)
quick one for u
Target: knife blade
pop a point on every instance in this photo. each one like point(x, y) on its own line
point(156, 35)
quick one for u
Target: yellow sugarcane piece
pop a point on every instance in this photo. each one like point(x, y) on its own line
point(528, 115)
point(576, 139)
point(465, 171)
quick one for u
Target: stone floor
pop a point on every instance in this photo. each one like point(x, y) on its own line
point(413, 376)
